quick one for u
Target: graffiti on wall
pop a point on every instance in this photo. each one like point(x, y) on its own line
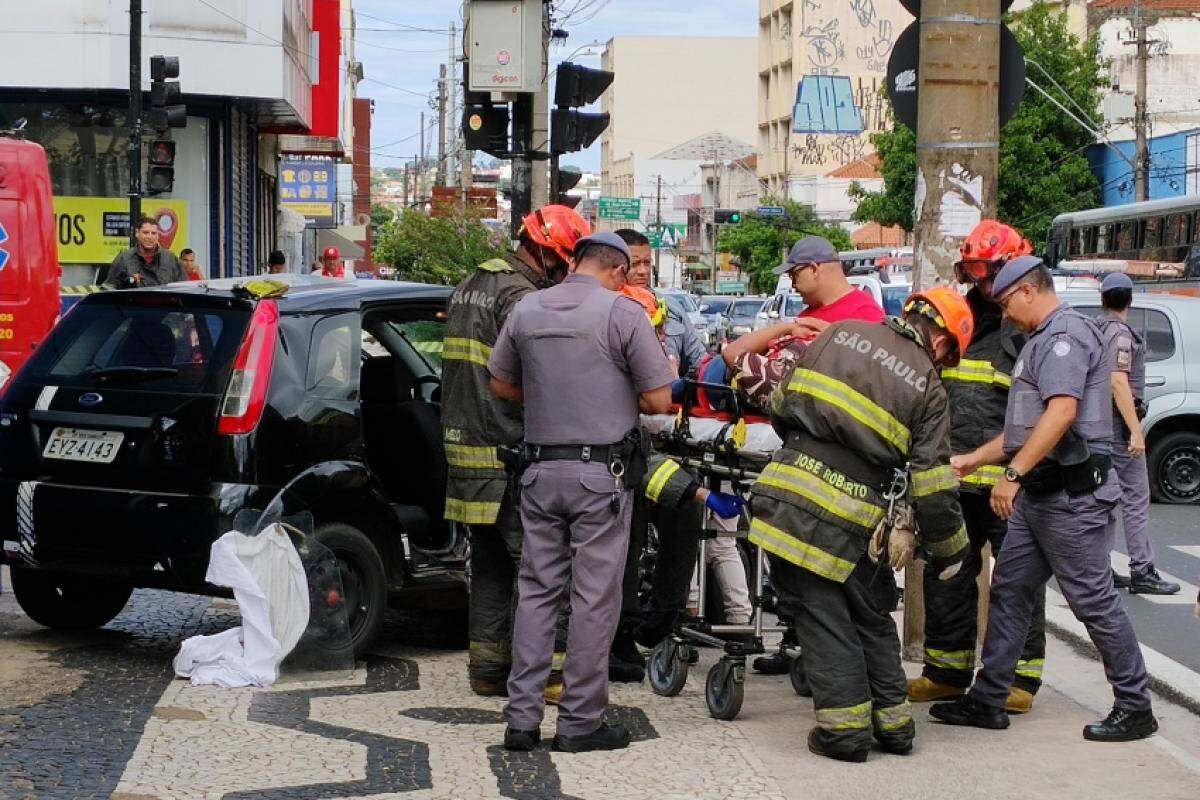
point(825, 104)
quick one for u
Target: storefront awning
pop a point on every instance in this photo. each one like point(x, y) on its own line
point(339, 238)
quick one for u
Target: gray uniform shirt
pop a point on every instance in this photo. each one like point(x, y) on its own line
point(682, 344)
point(1064, 357)
point(1126, 353)
point(164, 268)
point(582, 355)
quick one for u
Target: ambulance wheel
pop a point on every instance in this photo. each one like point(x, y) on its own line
point(725, 690)
point(799, 681)
point(668, 667)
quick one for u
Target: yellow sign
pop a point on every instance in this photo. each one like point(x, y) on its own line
point(93, 230)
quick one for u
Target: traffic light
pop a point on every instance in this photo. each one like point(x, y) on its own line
point(484, 125)
point(161, 176)
point(727, 216)
point(577, 86)
point(165, 112)
point(563, 180)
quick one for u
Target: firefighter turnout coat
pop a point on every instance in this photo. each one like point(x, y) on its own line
point(864, 400)
point(474, 421)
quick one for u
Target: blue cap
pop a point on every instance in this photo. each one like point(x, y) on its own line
point(1115, 280)
point(603, 238)
point(1012, 272)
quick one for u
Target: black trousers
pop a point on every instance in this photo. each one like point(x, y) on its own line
point(951, 609)
point(851, 655)
point(678, 541)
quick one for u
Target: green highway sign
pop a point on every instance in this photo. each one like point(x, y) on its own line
point(627, 208)
point(667, 235)
point(731, 288)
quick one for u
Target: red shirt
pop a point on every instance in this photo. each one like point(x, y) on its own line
point(856, 304)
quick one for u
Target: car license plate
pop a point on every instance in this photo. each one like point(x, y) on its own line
point(73, 444)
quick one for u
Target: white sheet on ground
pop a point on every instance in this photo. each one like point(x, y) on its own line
point(269, 584)
point(761, 438)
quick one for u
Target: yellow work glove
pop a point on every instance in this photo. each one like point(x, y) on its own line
point(902, 544)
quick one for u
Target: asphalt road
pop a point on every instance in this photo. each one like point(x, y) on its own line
point(1167, 624)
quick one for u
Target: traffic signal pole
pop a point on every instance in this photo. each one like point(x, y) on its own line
point(958, 130)
point(522, 160)
point(133, 120)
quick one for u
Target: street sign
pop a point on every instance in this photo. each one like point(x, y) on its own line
point(731, 287)
point(769, 211)
point(902, 76)
point(666, 235)
point(627, 208)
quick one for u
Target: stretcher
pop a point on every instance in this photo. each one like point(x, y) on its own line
point(727, 452)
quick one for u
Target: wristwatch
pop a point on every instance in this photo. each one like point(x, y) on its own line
point(1012, 475)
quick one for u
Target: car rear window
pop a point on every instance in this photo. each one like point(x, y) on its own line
point(716, 305)
point(795, 304)
point(163, 348)
point(745, 309)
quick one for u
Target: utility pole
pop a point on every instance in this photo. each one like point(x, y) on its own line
point(958, 130)
point(420, 192)
point(134, 120)
point(453, 128)
point(541, 120)
point(659, 227)
point(440, 180)
point(527, 133)
point(1141, 122)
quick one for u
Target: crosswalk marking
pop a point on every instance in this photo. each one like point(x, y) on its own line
point(1188, 549)
point(1185, 596)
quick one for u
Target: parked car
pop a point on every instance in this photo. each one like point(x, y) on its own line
point(1170, 327)
point(150, 418)
point(714, 307)
point(741, 316)
point(684, 306)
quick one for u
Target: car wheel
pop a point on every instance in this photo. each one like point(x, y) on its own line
point(68, 602)
point(1175, 468)
point(364, 581)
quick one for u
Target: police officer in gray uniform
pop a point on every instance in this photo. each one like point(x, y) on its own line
point(1059, 495)
point(583, 359)
point(1127, 360)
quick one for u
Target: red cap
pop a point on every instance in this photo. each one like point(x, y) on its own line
point(330, 252)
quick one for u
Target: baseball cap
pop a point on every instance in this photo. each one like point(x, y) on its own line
point(1012, 272)
point(1115, 280)
point(809, 250)
point(606, 239)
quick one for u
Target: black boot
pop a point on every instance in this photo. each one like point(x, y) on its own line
point(1148, 581)
point(606, 737)
point(778, 663)
point(524, 741)
point(625, 663)
point(1122, 725)
point(818, 746)
point(1119, 580)
point(966, 711)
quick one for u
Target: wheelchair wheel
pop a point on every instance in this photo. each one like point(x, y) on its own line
point(725, 690)
point(668, 667)
point(799, 680)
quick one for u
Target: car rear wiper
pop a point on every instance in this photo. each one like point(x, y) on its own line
point(138, 373)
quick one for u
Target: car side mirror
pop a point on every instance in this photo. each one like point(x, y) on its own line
point(773, 314)
point(703, 308)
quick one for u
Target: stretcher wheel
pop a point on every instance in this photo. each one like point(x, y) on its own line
point(668, 667)
point(725, 689)
point(799, 680)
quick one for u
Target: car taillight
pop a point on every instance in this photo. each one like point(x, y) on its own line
point(246, 396)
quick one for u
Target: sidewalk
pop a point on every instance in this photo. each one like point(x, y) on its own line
point(406, 726)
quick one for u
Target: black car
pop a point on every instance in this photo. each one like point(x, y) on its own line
point(150, 418)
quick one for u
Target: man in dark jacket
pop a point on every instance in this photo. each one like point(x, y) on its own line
point(147, 264)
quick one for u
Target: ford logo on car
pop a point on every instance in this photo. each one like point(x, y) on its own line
point(90, 399)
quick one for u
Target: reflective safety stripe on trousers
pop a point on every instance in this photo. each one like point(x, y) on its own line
point(890, 718)
point(1031, 668)
point(850, 718)
point(961, 660)
point(456, 349)
point(471, 513)
point(842, 396)
point(658, 481)
point(984, 476)
point(931, 481)
point(972, 371)
point(465, 456)
point(802, 554)
point(948, 547)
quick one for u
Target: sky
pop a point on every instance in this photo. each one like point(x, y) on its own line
point(401, 43)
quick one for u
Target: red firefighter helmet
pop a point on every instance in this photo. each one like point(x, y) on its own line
point(988, 248)
point(556, 228)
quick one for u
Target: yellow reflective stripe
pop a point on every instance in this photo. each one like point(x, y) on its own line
point(791, 479)
point(948, 547)
point(799, 553)
point(472, 457)
point(950, 659)
point(471, 513)
point(433, 346)
point(496, 652)
point(890, 718)
point(854, 403)
point(659, 481)
point(455, 349)
point(932, 481)
point(972, 371)
point(985, 476)
point(89, 288)
point(557, 660)
point(1031, 668)
point(496, 265)
point(845, 719)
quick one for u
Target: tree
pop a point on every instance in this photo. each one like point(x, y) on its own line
point(760, 244)
point(1043, 167)
point(380, 216)
point(438, 249)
